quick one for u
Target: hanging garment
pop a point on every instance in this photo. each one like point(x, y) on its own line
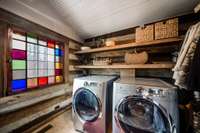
point(186, 55)
point(193, 78)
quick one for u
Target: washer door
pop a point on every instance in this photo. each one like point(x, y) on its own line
point(86, 105)
point(136, 114)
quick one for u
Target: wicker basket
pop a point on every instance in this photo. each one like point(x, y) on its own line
point(166, 29)
point(144, 34)
point(136, 58)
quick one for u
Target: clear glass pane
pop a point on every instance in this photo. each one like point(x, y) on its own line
point(31, 39)
point(58, 58)
point(50, 51)
point(42, 57)
point(44, 43)
point(42, 50)
point(32, 56)
point(18, 64)
point(32, 64)
point(18, 45)
point(19, 74)
point(32, 47)
point(32, 73)
point(42, 73)
point(43, 65)
point(18, 36)
point(51, 58)
point(51, 80)
point(51, 72)
point(51, 65)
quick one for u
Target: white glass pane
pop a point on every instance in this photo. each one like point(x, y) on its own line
point(18, 45)
point(42, 50)
point(42, 43)
point(32, 73)
point(18, 36)
point(19, 74)
point(42, 57)
point(32, 56)
point(42, 73)
point(50, 51)
point(32, 47)
point(51, 72)
point(43, 65)
point(30, 39)
point(51, 58)
point(32, 64)
point(51, 80)
point(57, 58)
point(51, 65)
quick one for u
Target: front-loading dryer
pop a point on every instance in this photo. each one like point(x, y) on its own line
point(90, 103)
point(145, 106)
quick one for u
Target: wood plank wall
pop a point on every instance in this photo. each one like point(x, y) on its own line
point(37, 103)
point(163, 53)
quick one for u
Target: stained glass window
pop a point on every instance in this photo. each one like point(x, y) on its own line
point(35, 62)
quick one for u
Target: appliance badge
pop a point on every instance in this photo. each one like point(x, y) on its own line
point(87, 84)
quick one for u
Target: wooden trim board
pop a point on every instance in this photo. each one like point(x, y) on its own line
point(136, 66)
point(132, 45)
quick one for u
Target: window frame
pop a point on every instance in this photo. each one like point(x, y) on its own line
point(9, 61)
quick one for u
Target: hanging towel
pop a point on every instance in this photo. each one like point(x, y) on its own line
point(193, 78)
point(186, 55)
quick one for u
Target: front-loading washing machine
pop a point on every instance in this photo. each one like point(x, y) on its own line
point(90, 103)
point(144, 105)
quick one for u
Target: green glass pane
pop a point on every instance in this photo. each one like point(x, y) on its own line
point(18, 64)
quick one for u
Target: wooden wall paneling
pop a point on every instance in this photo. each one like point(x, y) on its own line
point(17, 119)
point(73, 60)
point(3, 32)
point(30, 26)
point(66, 62)
point(19, 101)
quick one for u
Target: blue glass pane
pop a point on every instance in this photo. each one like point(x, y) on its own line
point(18, 85)
point(57, 52)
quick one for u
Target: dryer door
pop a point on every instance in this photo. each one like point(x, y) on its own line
point(136, 114)
point(86, 105)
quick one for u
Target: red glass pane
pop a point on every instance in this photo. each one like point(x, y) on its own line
point(58, 72)
point(18, 54)
point(51, 44)
point(43, 81)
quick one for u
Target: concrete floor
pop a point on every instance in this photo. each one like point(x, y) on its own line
point(61, 124)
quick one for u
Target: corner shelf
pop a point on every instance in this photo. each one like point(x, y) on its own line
point(123, 66)
point(132, 45)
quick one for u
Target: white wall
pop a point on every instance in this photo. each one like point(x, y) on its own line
point(40, 12)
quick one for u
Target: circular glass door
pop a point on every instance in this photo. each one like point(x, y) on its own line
point(139, 115)
point(86, 104)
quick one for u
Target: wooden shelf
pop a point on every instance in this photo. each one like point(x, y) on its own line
point(131, 45)
point(137, 66)
point(73, 57)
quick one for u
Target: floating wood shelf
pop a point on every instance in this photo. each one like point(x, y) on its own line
point(132, 45)
point(137, 66)
point(73, 68)
point(73, 57)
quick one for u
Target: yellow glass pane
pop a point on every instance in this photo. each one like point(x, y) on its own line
point(59, 65)
point(59, 79)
